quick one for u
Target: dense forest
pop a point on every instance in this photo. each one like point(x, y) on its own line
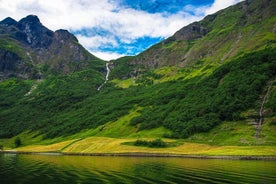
point(183, 106)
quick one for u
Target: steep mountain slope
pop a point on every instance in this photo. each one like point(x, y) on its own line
point(210, 75)
point(30, 50)
point(35, 60)
point(216, 39)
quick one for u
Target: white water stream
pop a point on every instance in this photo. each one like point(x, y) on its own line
point(106, 77)
point(259, 125)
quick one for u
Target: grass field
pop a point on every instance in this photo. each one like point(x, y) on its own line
point(115, 145)
point(227, 139)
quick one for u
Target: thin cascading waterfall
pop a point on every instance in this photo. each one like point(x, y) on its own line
point(261, 118)
point(106, 76)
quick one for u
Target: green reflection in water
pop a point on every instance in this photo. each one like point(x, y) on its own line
point(85, 169)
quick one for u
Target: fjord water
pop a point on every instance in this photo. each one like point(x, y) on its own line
point(89, 169)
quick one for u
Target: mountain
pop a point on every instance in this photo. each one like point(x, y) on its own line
point(239, 29)
point(29, 50)
point(211, 82)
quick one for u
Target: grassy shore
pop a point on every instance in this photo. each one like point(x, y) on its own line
point(228, 139)
point(113, 146)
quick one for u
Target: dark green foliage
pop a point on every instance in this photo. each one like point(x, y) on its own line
point(273, 122)
point(197, 105)
point(1, 147)
point(122, 68)
point(271, 101)
point(157, 143)
point(66, 104)
point(140, 143)
point(17, 142)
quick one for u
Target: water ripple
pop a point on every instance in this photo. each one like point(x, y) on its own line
point(70, 169)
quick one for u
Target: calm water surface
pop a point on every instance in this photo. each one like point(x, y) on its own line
point(32, 169)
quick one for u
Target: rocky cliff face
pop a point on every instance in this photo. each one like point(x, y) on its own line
point(30, 50)
point(191, 32)
point(35, 34)
point(11, 65)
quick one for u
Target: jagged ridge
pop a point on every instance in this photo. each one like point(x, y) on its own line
point(30, 50)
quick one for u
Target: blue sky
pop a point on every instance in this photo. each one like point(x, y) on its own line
point(113, 28)
point(160, 6)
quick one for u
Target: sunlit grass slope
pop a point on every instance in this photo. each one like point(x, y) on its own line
point(113, 145)
point(229, 138)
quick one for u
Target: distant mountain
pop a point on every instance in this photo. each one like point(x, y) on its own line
point(30, 50)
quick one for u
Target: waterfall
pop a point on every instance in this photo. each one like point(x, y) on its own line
point(106, 76)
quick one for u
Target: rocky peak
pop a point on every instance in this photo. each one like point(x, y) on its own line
point(191, 32)
point(8, 22)
point(36, 47)
point(30, 19)
point(64, 35)
point(37, 36)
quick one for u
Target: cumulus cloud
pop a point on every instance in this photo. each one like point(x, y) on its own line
point(220, 4)
point(106, 22)
point(107, 55)
point(90, 42)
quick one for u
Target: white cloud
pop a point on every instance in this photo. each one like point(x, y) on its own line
point(95, 41)
point(220, 4)
point(107, 55)
point(120, 22)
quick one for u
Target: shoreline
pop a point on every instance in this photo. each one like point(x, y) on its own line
point(144, 154)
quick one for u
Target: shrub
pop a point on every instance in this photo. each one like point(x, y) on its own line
point(140, 143)
point(17, 142)
point(157, 143)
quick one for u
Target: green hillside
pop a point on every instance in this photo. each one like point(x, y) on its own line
point(213, 82)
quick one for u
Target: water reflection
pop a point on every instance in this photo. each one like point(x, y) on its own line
point(85, 169)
